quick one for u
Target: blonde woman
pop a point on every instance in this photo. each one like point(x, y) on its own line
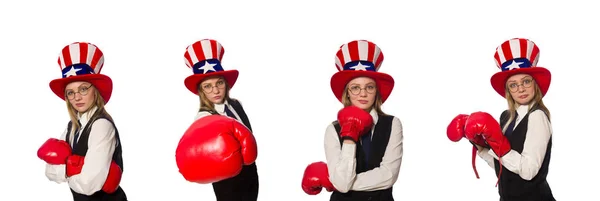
point(88, 154)
point(364, 147)
point(521, 142)
point(221, 122)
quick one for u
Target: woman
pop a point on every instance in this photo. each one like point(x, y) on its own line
point(364, 146)
point(525, 124)
point(522, 142)
point(212, 84)
point(88, 154)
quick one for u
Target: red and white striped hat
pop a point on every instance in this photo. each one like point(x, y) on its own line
point(360, 58)
point(517, 56)
point(82, 61)
point(204, 58)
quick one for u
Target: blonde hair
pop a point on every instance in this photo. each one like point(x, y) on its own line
point(512, 104)
point(98, 102)
point(205, 103)
point(377, 105)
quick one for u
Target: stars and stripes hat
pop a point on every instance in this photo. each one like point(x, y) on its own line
point(82, 61)
point(204, 58)
point(360, 58)
point(516, 56)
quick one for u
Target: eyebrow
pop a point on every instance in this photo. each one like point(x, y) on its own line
point(212, 83)
point(365, 84)
point(86, 85)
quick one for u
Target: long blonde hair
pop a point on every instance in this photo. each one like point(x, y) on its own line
point(512, 104)
point(377, 105)
point(98, 102)
point(205, 103)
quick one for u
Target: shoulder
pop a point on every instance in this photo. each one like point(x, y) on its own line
point(235, 101)
point(538, 115)
point(202, 114)
point(103, 123)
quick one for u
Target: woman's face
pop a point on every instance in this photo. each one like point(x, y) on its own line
point(214, 89)
point(81, 95)
point(362, 91)
point(521, 88)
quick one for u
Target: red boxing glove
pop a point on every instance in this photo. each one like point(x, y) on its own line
point(74, 165)
point(54, 151)
point(316, 177)
point(214, 148)
point(113, 179)
point(456, 128)
point(484, 125)
point(354, 122)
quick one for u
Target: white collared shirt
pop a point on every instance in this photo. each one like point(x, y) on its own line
point(341, 161)
point(101, 146)
point(528, 163)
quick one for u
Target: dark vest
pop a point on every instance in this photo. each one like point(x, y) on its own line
point(381, 137)
point(511, 186)
point(81, 148)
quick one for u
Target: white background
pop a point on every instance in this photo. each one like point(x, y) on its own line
point(285, 54)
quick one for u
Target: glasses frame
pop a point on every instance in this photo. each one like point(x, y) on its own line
point(212, 88)
point(360, 89)
point(83, 90)
point(517, 85)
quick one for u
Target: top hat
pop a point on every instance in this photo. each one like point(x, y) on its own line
point(516, 56)
point(82, 61)
point(204, 58)
point(360, 58)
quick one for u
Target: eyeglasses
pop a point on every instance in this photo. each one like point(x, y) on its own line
point(514, 87)
point(355, 90)
point(83, 90)
point(208, 88)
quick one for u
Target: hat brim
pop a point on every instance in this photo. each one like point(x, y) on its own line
point(542, 77)
point(192, 81)
point(339, 80)
point(101, 82)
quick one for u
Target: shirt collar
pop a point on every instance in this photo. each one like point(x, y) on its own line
point(374, 115)
point(523, 109)
point(85, 117)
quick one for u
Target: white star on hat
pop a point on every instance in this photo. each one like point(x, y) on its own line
point(72, 72)
point(208, 67)
point(514, 65)
point(359, 66)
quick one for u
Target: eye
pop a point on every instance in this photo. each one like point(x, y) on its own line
point(69, 93)
point(512, 85)
point(371, 87)
point(220, 82)
point(527, 81)
point(84, 89)
point(208, 86)
point(354, 88)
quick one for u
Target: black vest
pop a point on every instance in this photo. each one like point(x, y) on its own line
point(81, 148)
point(381, 137)
point(511, 186)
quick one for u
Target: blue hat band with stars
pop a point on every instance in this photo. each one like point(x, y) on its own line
point(360, 65)
point(207, 66)
point(515, 64)
point(77, 69)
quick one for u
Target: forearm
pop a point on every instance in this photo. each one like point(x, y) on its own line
point(342, 171)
